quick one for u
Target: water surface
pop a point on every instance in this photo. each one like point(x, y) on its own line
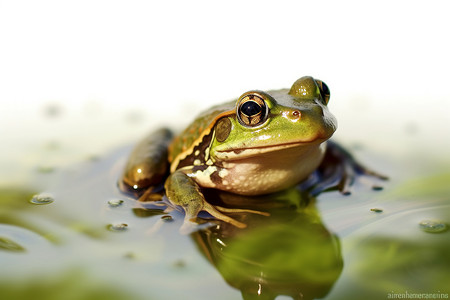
point(66, 229)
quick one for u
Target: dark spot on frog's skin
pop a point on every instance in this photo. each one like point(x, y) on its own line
point(237, 151)
point(199, 168)
point(215, 178)
point(218, 164)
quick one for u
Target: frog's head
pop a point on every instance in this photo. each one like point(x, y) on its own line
point(274, 120)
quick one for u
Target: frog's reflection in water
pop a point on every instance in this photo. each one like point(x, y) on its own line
point(289, 253)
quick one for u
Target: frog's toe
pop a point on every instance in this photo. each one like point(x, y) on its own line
point(347, 180)
point(239, 210)
point(188, 226)
point(363, 176)
point(214, 211)
point(192, 211)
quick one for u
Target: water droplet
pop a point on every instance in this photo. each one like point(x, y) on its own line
point(377, 210)
point(117, 227)
point(167, 218)
point(41, 199)
point(115, 202)
point(9, 245)
point(433, 226)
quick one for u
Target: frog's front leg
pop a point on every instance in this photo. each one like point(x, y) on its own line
point(182, 190)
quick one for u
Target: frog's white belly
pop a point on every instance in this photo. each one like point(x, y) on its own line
point(266, 173)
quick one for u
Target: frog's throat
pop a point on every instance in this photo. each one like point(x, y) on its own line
point(242, 153)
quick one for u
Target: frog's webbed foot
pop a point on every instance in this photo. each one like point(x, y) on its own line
point(182, 190)
point(339, 170)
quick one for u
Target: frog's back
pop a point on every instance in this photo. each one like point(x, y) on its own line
point(197, 130)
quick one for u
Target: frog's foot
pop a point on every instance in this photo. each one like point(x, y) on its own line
point(353, 171)
point(183, 191)
point(191, 216)
point(215, 212)
point(339, 170)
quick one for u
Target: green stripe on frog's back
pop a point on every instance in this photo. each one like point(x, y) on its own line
point(197, 137)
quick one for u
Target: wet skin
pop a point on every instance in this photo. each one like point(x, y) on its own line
point(261, 143)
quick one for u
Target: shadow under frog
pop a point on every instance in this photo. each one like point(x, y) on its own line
point(288, 253)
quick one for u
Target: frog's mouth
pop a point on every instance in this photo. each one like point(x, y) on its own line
point(247, 152)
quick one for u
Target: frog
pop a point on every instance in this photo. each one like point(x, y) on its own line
point(260, 143)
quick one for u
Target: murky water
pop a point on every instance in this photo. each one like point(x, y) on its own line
point(66, 229)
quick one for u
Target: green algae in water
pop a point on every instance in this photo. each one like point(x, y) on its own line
point(72, 284)
point(9, 245)
point(42, 199)
point(45, 169)
point(397, 265)
point(433, 226)
point(430, 186)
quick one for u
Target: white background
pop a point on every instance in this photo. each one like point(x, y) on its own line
point(386, 63)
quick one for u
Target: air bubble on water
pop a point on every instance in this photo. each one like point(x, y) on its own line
point(117, 227)
point(167, 218)
point(42, 199)
point(115, 202)
point(433, 226)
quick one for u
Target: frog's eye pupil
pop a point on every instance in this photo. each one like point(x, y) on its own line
point(252, 110)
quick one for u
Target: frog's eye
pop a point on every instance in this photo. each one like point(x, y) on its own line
point(252, 110)
point(324, 91)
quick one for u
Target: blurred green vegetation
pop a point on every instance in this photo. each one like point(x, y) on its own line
point(73, 285)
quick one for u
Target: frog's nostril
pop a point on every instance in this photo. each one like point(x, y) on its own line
point(296, 114)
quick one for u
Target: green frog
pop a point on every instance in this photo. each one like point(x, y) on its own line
point(261, 143)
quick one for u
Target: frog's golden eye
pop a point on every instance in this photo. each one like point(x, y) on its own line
point(252, 110)
point(324, 91)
